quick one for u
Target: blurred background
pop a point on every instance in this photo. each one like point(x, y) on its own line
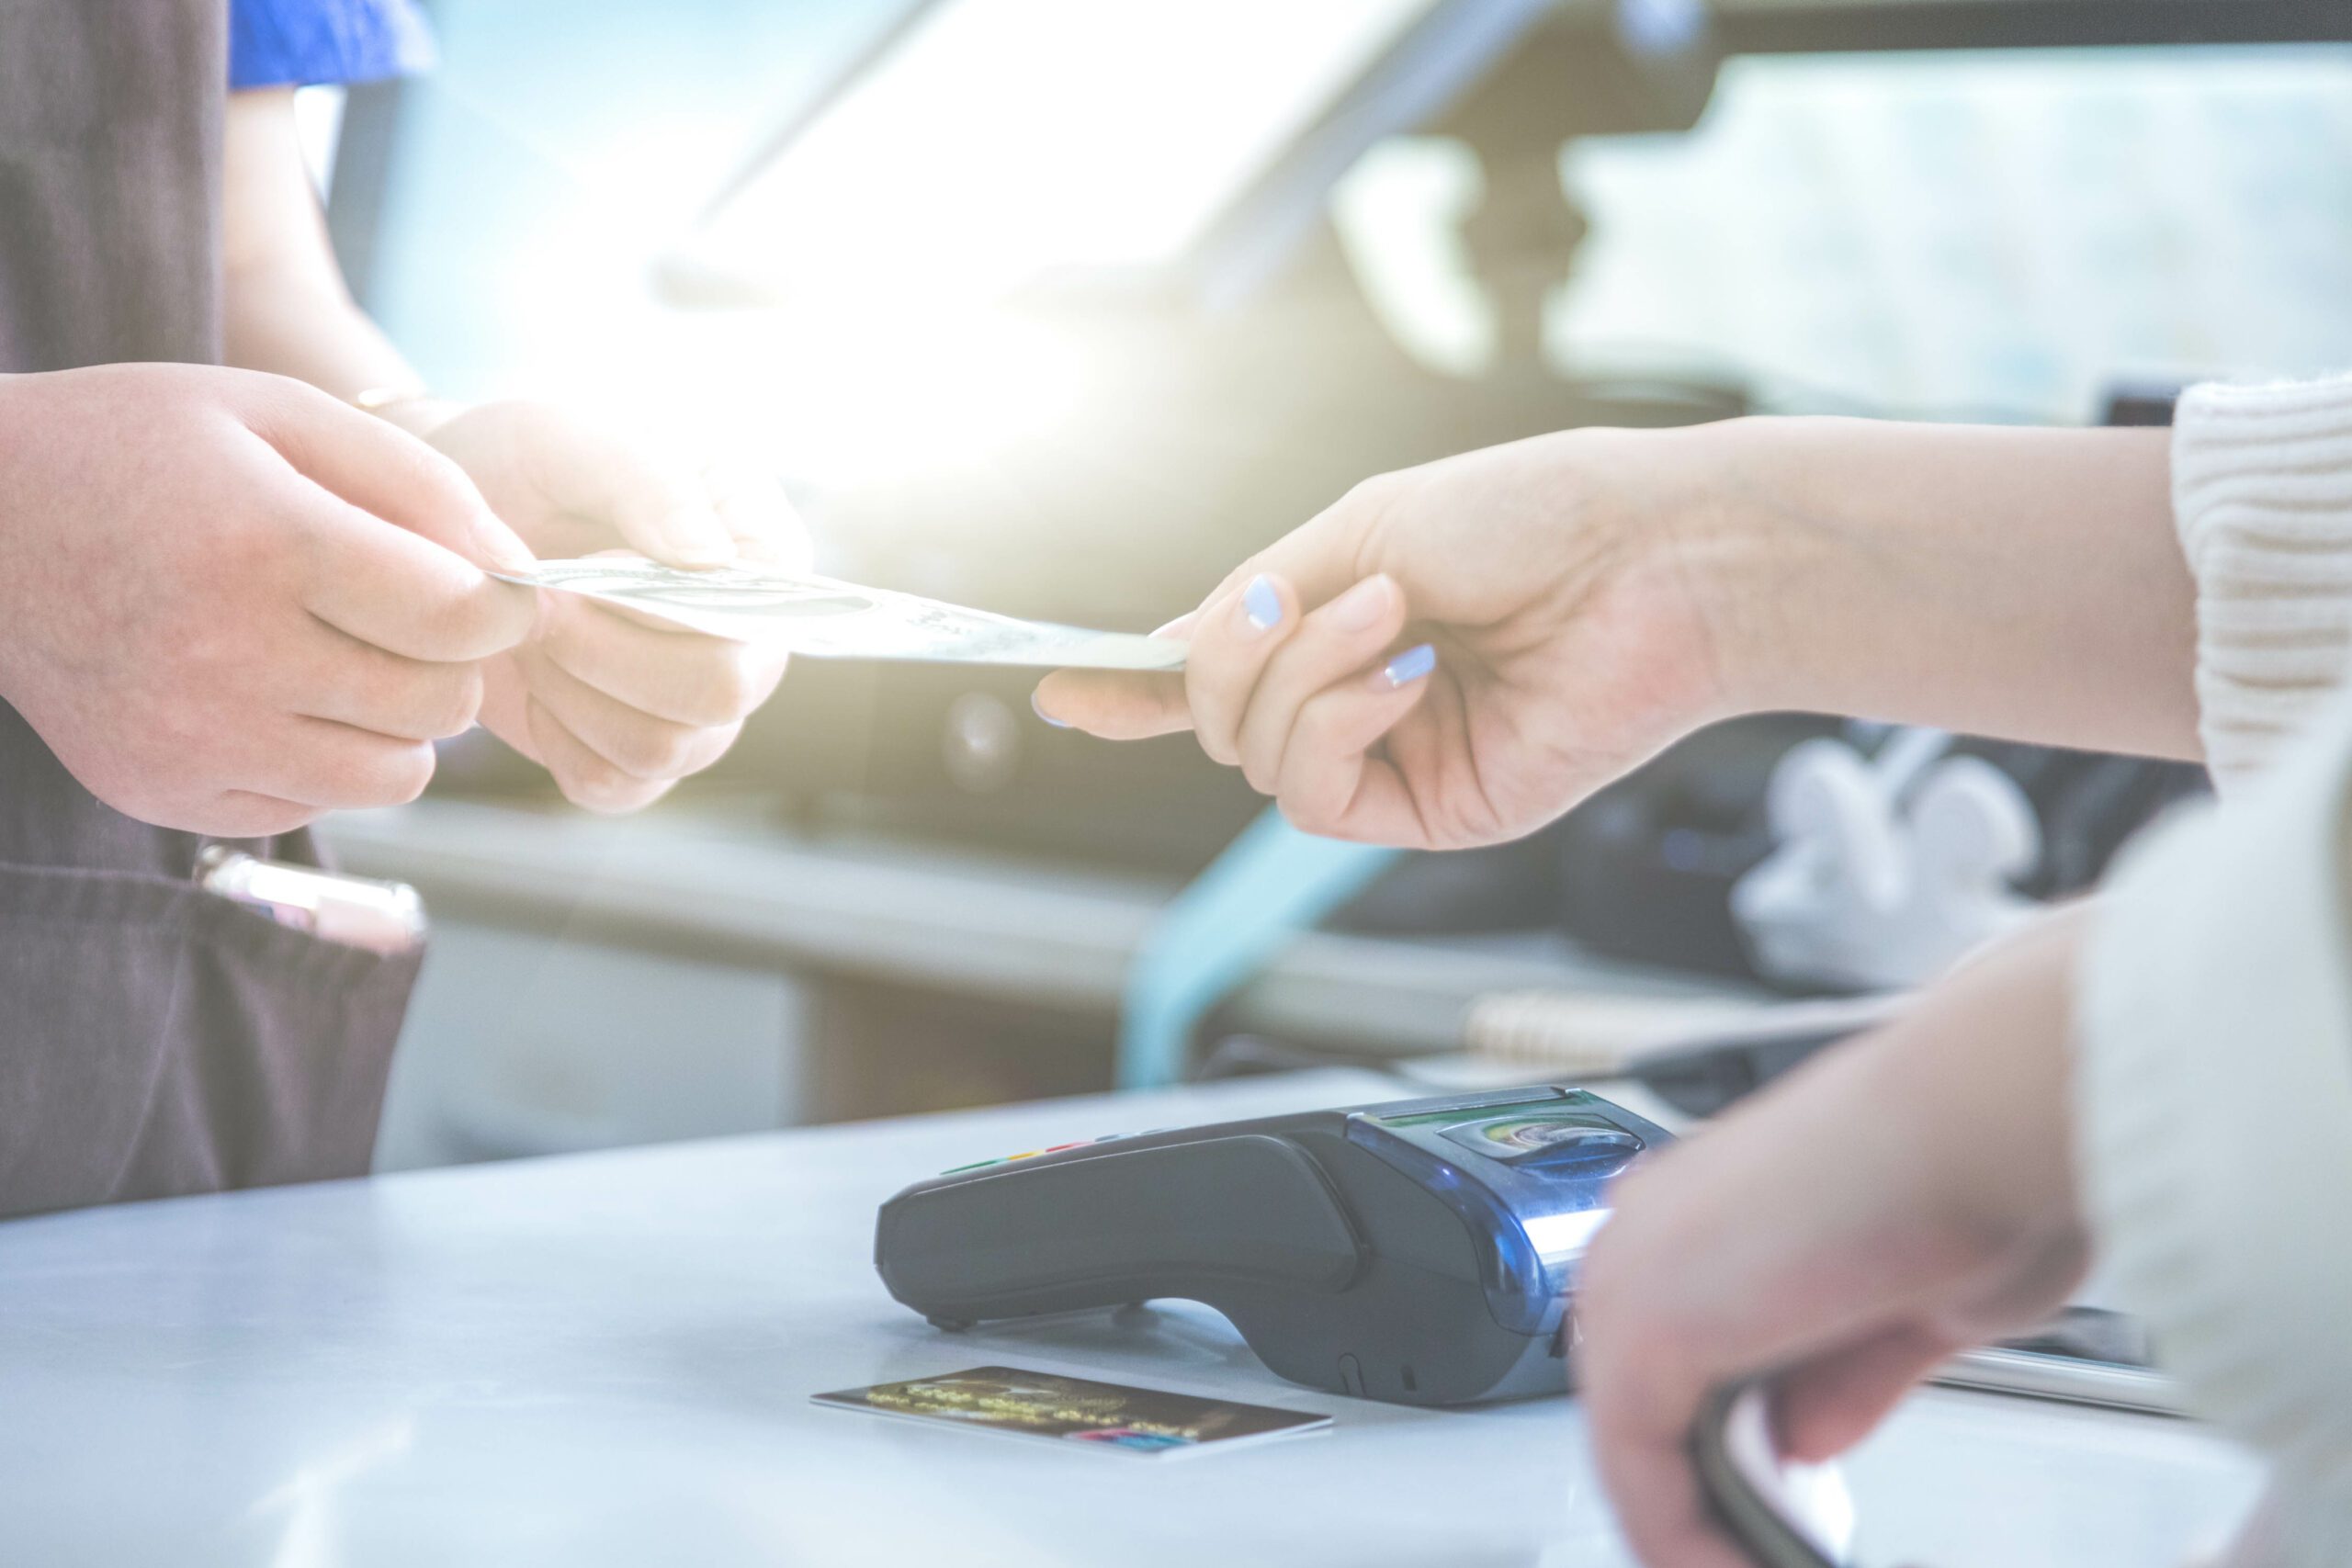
point(1061, 308)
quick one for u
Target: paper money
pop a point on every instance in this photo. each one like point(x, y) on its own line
point(824, 618)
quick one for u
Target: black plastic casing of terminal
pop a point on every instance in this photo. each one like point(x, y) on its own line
point(1343, 1271)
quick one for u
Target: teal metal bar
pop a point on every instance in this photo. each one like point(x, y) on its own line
point(1272, 882)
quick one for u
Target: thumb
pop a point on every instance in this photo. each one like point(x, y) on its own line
point(387, 472)
point(661, 503)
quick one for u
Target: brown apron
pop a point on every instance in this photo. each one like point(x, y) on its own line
point(154, 1039)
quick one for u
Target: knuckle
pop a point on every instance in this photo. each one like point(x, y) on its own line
point(735, 687)
point(723, 690)
point(597, 785)
point(346, 778)
point(1320, 725)
point(472, 625)
point(1210, 721)
point(437, 477)
point(392, 775)
point(1259, 774)
point(473, 686)
point(699, 706)
point(591, 782)
point(457, 702)
point(653, 749)
point(1372, 495)
point(1310, 816)
point(409, 773)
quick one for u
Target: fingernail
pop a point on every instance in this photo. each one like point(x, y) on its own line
point(1361, 605)
point(1261, 604)
point(1407, 667)
point(1039, 709)
point(697, 537)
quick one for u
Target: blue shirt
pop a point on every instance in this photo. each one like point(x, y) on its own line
point(301, 43)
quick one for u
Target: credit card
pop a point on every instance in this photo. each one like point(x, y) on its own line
point(1077, 1410)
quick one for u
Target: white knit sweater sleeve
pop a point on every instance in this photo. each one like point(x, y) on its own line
point(2262, 494)
point(2213, 1082)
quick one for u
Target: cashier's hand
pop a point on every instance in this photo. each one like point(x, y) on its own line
point(619, 707)
point(1452, 655)
point(1903, 1198)
point(229, 602)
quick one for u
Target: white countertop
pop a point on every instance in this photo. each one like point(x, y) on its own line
point(607, 1360)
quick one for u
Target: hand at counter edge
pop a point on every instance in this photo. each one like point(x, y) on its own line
point(1903, 1197)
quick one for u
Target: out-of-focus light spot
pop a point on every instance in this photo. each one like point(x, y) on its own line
point(839, 401)
point(1005, 141)
point(1660, 26)
point(1400, 215)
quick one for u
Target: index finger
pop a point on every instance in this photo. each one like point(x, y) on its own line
point(1116, 705)
point(1113, 705)
point(403, 594)
point(1314, 562)
point(384, 471)
point(1660, 1506)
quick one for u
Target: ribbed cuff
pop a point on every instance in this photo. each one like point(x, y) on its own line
point(2262, 495)
point(2214, 1112)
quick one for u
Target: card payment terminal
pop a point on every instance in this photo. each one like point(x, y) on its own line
point(1420, 1252)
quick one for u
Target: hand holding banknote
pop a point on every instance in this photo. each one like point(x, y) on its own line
point(619, 706)
point(1449, 656)
point(229, 602)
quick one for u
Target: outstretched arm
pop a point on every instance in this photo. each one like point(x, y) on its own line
point(1590, 596)
point(2025, 584)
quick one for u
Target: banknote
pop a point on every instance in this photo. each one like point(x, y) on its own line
point(825, 618)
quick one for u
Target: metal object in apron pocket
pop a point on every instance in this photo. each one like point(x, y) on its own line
point(382, 917)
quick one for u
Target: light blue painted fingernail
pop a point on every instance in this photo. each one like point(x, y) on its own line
point(1037, 708)
point(1263, 603)
point(1411, 665)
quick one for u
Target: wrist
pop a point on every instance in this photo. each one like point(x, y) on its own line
point(1703, 514)
point(1988, 1053)
point(1763, 570)
point(1998, 580)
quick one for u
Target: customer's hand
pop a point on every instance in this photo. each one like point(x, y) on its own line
point(227, 601)
point(1588, 597)
point(619, 707)
point(1452, 655)
point(1906, 1197)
